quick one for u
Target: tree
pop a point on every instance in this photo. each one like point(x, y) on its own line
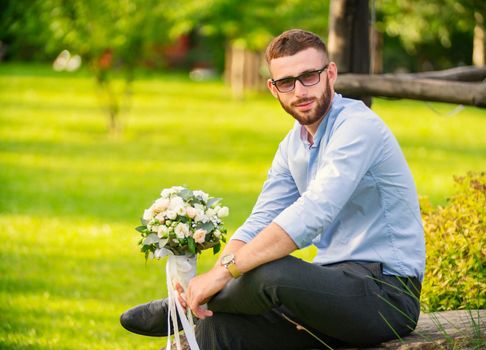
point(421, 25)
point(113, 37)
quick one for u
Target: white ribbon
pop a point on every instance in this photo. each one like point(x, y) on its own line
point(179, 268)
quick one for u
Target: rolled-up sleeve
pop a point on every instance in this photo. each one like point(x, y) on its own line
point(279, 191)
point(352, 151)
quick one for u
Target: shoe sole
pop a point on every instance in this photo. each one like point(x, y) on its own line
point(148, 334)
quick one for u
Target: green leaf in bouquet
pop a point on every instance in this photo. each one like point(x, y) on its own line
point(212, 202)
point(151, 239)
point(207, 226)
point(191, 244)
point(186, 194)
point(141, 229)
point(216, 248)
point(223, 238)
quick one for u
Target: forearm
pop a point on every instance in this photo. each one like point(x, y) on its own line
point(270, 244)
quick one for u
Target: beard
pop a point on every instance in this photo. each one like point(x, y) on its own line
point(312, 116)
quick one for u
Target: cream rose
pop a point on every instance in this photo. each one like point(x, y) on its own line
point(191, 212)
point(160, 204)
point(200, 235)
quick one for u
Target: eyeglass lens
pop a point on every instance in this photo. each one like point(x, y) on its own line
point(306, 79)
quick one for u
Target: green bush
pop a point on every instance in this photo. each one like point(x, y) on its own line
point(455, 242)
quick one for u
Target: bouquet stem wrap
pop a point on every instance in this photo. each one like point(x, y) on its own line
point(180, 268)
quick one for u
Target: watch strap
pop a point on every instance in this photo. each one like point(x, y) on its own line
point(233, 270)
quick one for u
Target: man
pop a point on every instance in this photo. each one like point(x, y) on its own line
point(339, 181)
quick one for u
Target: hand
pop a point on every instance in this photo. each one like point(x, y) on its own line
point(201, 288)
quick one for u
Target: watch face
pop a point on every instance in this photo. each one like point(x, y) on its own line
point(227, 259)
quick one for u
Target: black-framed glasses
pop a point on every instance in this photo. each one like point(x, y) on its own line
point(307, 79)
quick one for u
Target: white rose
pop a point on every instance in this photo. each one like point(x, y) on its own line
point(170, 214)
point(211, 212)
point(176, 202)
point(203, 195)
point(200, 235)
point(223, 212)
point(181, 230)
point(167, 192)
point(160, 216)
point(191, 212)
point(148, 214)
point(199, 206)
point(200, 217)
point(160, 204)
point(162, 230)
point(181, 211)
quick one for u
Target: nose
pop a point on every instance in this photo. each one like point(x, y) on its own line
point(300, 90)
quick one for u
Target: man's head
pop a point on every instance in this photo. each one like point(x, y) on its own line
point(302, 76)
point(292, 41)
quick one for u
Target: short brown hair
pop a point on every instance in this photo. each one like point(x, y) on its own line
point(292, 41)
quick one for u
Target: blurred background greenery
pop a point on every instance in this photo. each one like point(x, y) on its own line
point(71, 191)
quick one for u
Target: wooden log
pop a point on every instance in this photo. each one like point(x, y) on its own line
point(467, 73)
point(420, 89)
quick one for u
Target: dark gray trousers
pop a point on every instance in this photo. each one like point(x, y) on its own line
point(342, 304)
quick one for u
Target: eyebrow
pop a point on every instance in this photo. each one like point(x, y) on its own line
point(296, 76)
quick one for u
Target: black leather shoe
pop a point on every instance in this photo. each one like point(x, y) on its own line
point(149, 319)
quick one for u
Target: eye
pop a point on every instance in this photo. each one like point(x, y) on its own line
point(309, 77)
point(285, 83)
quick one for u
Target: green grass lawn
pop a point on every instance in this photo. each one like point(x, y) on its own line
point(71, 195)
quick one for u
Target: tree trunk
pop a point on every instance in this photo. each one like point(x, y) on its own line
point(349, 42)
point(376, 52)
point(242, 70)
point(420, 89)
point(479, 54)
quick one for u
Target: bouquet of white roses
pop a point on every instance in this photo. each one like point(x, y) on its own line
point(183, 222)
point(180, 224)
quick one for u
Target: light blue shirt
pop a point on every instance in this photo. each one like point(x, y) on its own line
point(351, 193)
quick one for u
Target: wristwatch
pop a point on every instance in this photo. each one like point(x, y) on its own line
point(228, 261)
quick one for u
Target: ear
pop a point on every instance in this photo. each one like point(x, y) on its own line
point(272, 88)
point(332, 73)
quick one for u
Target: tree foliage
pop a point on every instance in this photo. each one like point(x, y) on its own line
point(440, 31)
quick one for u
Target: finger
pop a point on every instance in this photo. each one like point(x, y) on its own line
point(179, 288)
point(182, 300)
point(202, 313)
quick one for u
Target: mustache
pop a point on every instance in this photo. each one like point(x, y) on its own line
point(303, 100)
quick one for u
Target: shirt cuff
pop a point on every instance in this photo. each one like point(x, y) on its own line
point(290, 220)
point(241, 235)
